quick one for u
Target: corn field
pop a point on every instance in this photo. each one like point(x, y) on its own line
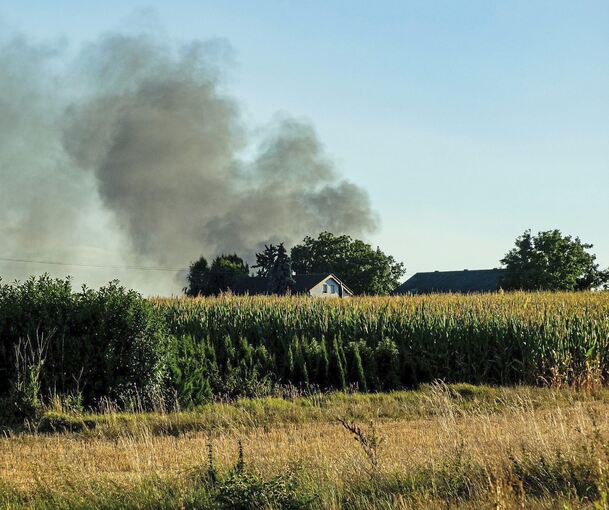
point(90, 346)
point(383, 343)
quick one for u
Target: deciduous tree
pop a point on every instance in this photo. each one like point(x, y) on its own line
point(364, 269)
point(198, 273)
point(224, 273)
point(552, 261)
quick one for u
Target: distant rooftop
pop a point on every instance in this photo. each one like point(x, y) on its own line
point(466, 281)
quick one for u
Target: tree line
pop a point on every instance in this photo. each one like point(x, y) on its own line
point(366, 270)
point(548, 261)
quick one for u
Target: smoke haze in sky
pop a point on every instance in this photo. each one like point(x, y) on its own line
point(130, 152)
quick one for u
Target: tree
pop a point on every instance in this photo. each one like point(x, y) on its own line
point(364, 269)
point(275, 264)
point(280, 276)
point(265, 261)
point(551, 261)
point(224, 272)
point(197, 278)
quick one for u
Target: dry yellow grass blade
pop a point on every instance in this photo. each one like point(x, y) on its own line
point(477, 448)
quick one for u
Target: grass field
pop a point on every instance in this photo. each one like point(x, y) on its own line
point(438, 447)
point(249, 402)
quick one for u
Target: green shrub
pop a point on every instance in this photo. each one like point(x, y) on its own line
point(106, 343)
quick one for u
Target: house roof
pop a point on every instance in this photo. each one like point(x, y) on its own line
point(304, 283)
point(251, 285)
point(477, 280)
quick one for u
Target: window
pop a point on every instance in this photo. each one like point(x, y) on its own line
point(332, 289)
point(325, 291)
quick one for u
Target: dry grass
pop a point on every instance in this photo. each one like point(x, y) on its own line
point(452, 449)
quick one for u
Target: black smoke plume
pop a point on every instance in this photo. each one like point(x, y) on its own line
point(131, 152)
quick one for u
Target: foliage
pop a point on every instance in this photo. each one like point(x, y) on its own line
point(224, 273)
point(244, 489)
point(387, 343)
point(280, 277)
point(551, 261)
point(275, 265)
point(265, 260)
point(24, 397)
point(364, 269)
point(203, 368)
point(197, 278)
point(191, 367)
point(112, 341)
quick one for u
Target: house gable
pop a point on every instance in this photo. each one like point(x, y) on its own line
point(328, 287)
point(331, 287)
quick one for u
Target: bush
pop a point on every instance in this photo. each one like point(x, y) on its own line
point(105, 343)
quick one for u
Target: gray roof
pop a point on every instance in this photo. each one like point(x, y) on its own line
point(304, 283)
point(477, 280)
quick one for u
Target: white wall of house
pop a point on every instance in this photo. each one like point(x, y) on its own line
point(328, 288)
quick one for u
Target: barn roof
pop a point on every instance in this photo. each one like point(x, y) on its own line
point(304, 283)
point(466, 281)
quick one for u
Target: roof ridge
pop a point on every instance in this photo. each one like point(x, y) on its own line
point(459, 270)
point(468, 280)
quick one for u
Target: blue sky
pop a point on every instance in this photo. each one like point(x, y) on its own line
point(467, 122)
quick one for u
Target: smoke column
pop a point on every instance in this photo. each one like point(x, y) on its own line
point(130, 152)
